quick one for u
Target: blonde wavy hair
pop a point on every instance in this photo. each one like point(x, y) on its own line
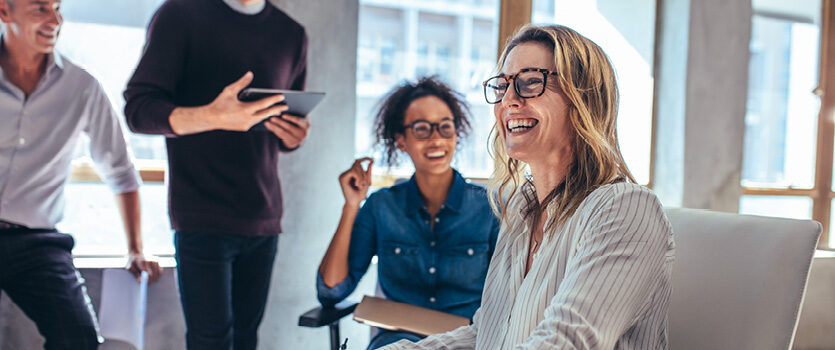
point(587, 80)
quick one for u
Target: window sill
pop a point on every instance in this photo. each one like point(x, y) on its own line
point(820, 253)
point(115, 262)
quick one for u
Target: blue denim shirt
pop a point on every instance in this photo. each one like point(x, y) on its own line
point(441, 268)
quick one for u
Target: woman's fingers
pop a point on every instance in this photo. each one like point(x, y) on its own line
point(365, 174)
point(368, 177)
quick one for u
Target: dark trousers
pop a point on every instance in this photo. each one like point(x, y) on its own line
point(385, 337)
point(224, 280)
point(37, 273)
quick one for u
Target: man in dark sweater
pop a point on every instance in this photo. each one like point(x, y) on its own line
point(224, 193)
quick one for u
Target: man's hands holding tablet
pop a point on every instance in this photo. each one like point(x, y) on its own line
point(290, 129)
point(228, 112)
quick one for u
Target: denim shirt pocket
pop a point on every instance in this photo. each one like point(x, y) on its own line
point(466, 265)
point(400, 263)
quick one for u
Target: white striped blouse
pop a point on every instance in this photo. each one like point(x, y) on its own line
point(599, 281)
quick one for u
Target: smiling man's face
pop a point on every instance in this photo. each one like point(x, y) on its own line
point(34, 24)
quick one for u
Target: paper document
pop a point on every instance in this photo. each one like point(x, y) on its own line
point(122, 311)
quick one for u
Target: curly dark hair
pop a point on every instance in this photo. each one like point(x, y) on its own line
point(391, 112)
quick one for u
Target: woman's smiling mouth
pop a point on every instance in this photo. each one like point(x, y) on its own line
point(520, 125)
point(435, 154)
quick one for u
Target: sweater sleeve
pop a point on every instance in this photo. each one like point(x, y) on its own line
point(299, 80)
point(149, 96)
point(300, 70)
point(363, 247)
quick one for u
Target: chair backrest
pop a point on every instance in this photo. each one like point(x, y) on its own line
point(738, 280)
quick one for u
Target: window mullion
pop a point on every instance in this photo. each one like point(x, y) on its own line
point(826, 127)
point(513, 14)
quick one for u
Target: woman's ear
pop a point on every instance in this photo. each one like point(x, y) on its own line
point(400, 141)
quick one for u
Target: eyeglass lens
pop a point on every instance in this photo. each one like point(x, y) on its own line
point(423, 129)
point(527, 84)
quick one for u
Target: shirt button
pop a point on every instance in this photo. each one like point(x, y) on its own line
point(397, 250)
point(470, 252)
point(442, 206)
point(432, 244)
point(22, 141)
point(427, 222)
point(432, 299)
point(432, 270)
point(437, 219)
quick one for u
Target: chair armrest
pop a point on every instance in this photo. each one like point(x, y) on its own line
point(323, 316)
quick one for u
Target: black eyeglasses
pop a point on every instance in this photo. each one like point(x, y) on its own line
point(422, 129)
point(528, 83)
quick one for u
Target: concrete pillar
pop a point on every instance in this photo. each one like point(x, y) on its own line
point(701, 89)
point(313, 200)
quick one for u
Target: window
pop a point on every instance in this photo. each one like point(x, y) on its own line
point(107, 38)
point(781, 122)
point(401, 40)
point(626, 32)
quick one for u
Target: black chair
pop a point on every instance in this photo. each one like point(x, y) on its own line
point(328, 316)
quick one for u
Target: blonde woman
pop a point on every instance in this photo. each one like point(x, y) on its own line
point(584, 254)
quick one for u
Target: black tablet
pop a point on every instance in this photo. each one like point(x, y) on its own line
point(299, 103)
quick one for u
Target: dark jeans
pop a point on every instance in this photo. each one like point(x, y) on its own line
point(224, 280)
point(385, 337)
point(37, 273)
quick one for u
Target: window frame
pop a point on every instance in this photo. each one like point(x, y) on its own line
point(821, 193)
point(513, 14)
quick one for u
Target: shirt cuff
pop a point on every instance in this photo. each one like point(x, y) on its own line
point(124, 182)
point(162, 111)
point(330, 296)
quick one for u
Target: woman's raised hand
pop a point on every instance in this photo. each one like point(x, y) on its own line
point(355, 182)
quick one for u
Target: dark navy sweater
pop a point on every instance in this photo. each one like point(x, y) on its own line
point(219, 181)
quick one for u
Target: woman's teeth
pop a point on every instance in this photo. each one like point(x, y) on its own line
point(516, 125)
point(436, 154)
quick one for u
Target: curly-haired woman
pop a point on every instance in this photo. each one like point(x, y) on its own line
point(434, 234)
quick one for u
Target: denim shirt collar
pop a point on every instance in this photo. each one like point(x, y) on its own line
point(453, 199)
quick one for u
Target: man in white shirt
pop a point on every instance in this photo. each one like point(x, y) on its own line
point(46, 102)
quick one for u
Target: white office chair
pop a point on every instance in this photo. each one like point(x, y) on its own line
point(738, 280)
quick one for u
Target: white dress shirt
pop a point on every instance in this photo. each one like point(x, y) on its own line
point(38, 135)
point(600, 281)
point(250, 9)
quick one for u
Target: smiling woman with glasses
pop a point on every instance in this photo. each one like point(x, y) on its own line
point(434, 234)
point(584, 257)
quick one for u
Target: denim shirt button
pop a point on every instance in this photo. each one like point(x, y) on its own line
point(432, 299)
point(470, 252)
point(437, 219)
point(432, 244)
point(397, 250)
point(431, 270)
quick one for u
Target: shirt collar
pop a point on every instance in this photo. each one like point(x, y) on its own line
point(453, 199)
point(252, 9)
point(53, 59)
